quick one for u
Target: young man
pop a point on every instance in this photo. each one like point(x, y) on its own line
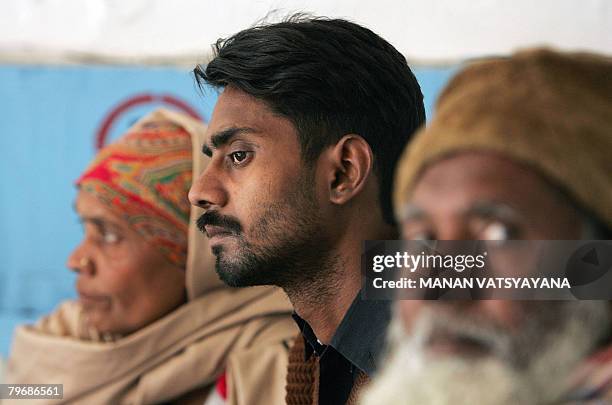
point(303, 143)
point(519, 149)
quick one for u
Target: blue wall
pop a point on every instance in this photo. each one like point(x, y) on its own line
point(49, 117)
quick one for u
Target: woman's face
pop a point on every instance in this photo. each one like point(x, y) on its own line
point(124, 283)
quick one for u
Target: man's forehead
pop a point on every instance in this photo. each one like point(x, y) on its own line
point(478, 175)
point(232, 94)
point(486, 207)
point(235, 107)
point(237, 110)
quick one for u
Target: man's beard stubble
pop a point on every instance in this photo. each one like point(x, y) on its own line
point(290, 245)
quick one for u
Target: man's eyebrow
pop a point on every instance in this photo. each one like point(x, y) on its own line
point(411, 212)
point(493, 209)
point(223, 137)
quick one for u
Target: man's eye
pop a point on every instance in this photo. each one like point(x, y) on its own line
point(498, 231)
point(239, 157)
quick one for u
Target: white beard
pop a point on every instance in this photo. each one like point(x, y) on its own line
point(412, 376)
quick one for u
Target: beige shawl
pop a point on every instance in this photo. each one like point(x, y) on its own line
point(244, 332)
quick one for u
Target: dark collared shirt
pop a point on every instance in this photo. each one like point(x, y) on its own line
point(356, 346)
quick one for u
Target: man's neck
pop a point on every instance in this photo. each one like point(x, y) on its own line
point(323, 302)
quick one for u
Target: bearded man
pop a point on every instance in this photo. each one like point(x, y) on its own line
point(519, 149)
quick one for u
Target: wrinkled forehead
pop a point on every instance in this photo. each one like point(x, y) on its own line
point(88, 206)
point(463, 180)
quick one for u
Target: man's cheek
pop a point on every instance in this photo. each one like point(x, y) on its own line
point(248, 211)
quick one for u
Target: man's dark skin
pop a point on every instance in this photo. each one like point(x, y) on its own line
point(258, 178)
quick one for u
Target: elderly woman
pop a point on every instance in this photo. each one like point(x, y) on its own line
point(139, 332)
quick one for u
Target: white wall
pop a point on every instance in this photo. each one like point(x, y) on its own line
point(424, 30)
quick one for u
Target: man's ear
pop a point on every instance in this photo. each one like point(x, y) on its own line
point(351, 161)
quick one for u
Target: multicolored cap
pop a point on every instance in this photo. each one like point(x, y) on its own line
point(145, 176)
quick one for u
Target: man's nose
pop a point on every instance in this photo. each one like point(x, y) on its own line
point(208, 191)
point(454, 230)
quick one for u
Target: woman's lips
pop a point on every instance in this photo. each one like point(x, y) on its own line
point(89, 299)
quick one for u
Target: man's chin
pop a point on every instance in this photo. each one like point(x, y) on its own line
point(235, 273)
point(231, 279)
point(239, 266)
point(226, 245)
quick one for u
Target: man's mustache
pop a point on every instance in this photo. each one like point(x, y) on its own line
point(213, 218)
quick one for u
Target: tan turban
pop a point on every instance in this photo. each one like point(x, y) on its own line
point(548, 110)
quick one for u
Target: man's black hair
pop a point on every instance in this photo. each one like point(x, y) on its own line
point(329, 77)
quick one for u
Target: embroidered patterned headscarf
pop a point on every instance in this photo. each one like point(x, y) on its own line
point(145, 176)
